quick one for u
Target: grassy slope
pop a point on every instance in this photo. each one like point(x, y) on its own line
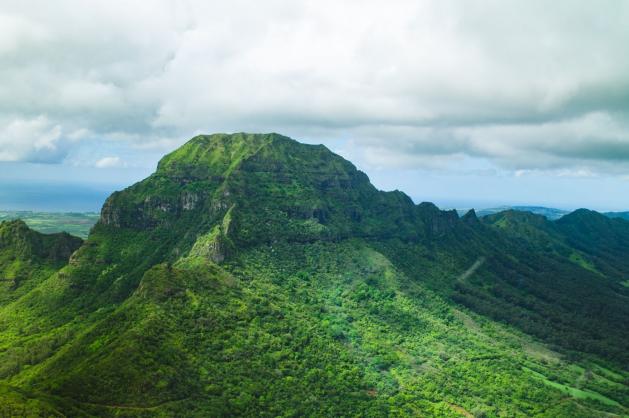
point(531, 283)
point(311, 329)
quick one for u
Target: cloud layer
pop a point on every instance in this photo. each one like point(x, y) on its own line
point(518, 85)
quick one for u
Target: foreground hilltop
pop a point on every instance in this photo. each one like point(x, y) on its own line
point(254, 275)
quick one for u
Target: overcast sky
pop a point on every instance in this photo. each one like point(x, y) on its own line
point(466, 103)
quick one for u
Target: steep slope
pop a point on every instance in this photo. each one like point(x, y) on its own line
point(253, 275)
point(27, 257)
point(605, 240)
point(557, 291)
point(518, 268)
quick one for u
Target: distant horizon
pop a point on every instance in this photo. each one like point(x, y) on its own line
point(76, 196)
point(470, 186)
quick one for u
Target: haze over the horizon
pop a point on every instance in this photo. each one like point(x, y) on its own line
point(461, 103)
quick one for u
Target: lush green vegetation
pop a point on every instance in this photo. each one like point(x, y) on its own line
point(252, 275)
point(77, 224)
point(28, 257)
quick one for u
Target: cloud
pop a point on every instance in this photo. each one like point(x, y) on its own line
point(19, 31)
point(523, 85)
point(34, 140)
point(109, 162)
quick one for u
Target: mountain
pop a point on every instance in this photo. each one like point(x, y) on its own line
point(621, 215)
point(605, 239)
point(28, 257)
point(252, 275)
point(550, 213)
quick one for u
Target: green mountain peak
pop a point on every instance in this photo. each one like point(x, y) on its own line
point(245, 189)
point(218, 154)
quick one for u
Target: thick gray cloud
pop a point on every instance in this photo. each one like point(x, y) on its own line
point(520, 85)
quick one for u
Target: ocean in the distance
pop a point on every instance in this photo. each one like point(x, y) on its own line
point(53, 197)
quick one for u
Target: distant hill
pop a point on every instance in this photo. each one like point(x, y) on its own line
point(550, 213)
point(28, 257)
point(621, 215)
point(252, 275)
point(78, 224)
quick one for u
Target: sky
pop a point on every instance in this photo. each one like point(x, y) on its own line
point(463, 103)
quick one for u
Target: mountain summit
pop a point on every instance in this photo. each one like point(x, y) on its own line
point(252, 275)
point(245, 189)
